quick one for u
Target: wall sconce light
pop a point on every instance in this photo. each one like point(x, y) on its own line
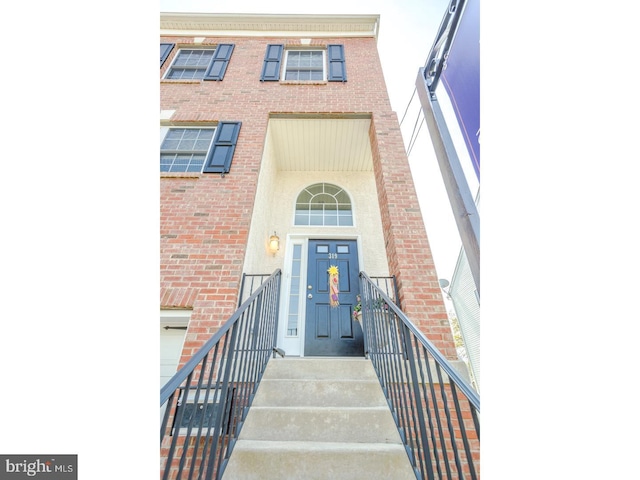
point(274, 243)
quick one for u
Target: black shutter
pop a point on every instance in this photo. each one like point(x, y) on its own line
point(337, 68)
point(224, 144)
point(165, 50)
point(271, 66)
point(219, 62)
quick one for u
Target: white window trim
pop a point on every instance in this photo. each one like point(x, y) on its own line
point(164, 130)
point(175, 57)
point(286, 61)
point(353, 213)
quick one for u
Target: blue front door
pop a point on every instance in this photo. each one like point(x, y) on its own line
point(331, 330)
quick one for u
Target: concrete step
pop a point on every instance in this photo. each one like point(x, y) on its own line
point(313, 424)
point(325, 368)
point(319, 393)
point(292, 460)
point(319, 418)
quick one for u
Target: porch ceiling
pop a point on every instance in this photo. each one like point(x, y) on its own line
point(321, 144)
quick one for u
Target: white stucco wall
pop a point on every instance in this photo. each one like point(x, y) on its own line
point(274, 209)
point(274, 212)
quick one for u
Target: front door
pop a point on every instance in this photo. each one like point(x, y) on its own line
point(330, 329)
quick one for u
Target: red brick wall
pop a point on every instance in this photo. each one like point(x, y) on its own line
point(205, 218)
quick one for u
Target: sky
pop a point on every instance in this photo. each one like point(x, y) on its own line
point(407, 32)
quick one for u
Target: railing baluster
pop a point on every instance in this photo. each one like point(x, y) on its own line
point(419, 428)
point(463, 432)
point(401, 356)
point(225, 372)
point(209, 438)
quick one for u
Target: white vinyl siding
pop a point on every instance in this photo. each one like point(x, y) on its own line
point(465, 301)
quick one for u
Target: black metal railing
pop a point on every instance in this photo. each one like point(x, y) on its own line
point(205, 403)
point(249, 284)
point(435, 409)
point(389, 286)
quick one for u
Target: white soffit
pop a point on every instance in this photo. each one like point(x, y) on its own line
point(321, 144)
point(269, 25)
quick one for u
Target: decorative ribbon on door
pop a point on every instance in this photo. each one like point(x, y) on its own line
point(334, 301)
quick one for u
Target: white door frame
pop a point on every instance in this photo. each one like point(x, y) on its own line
point(294, 346)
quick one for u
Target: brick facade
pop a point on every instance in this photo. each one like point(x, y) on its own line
point(205, 218)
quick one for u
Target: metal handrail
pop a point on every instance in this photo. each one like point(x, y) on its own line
point(204, 405)
point(440, 432)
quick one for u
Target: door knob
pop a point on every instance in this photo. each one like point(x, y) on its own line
point(310, 296)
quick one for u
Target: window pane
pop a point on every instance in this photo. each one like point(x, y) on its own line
point(331, 219)
point(296, 268)
point(205, 133)
point(170, 144)
point(324, 198)
point(294, 296)
point(331, 189)
point(301, 219)
point(186, 144)
point(323, 207)
point(305, 58)
point(315, 220)
point(293, 59)
point(342, 197)
point(316, 60)
point(195, 167)
point(177, 150)
point(345, 220)
point(304, 197)
point(315, 189)
point(190, 133)
point(186, 74)
point(191, 60)
point(174, 134)
point(202, 145)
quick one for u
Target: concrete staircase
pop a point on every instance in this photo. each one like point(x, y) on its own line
point(319, 418)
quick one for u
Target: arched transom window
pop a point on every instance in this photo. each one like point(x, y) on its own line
point(323, 204)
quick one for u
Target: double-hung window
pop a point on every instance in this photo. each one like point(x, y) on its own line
point(304, 65)
point(200, 63)
point(185, 149)
point(317, 64)
point(196, 150)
